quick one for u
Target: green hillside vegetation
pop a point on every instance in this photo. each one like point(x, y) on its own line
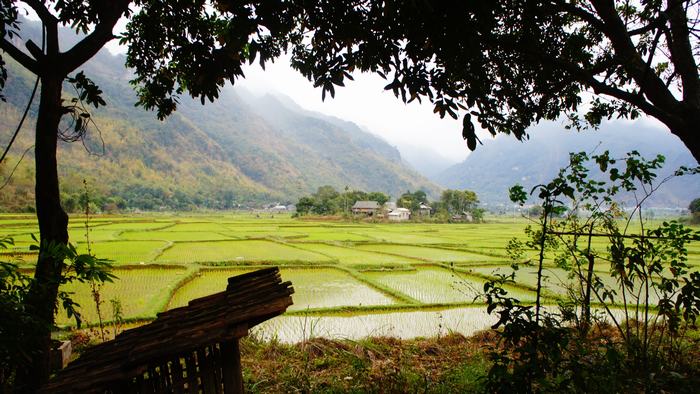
point(235, 152)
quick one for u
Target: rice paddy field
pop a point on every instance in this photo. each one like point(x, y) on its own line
point(351, 279)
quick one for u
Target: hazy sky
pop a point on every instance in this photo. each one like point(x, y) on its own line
point(365, 102)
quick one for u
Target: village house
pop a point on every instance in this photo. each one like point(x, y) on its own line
point(368, 208)
point(464, 217)
point(424, 210)
point(399, 215)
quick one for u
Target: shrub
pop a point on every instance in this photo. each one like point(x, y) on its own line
point(624, 334)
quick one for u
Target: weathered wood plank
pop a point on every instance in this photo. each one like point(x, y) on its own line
point(192, 375)
point(231, 367)
point(248, 300)
point(177, 378)
point(206, 367)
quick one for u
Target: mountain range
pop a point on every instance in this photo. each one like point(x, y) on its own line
point(503, 162)
point(241, 149)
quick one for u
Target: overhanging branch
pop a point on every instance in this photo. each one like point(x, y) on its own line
point(647, 80)
point(47, 17)
point(90, 45)
point(22, 58)
point(581, 13)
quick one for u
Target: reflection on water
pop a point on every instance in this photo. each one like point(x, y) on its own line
point(405, 325)
point(290, 329)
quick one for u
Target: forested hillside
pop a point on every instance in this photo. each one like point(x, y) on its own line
point(234, 151)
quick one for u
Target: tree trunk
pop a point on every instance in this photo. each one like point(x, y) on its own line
point(690, 132)
point(53, 230)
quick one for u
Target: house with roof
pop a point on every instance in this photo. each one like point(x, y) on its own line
point(463, 217)
point(424, 210)
point(368, 208)
point(399, 215)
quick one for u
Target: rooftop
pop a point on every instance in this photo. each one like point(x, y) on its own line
point(366, 205)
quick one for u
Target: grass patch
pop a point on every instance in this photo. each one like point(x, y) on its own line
point(125, 252)
point(447, 364)
point(433, 285)
point(173, 236)
point(313, 288)
point(143, 292)
point(236, 251)
point(427, 253)
point(356, 257)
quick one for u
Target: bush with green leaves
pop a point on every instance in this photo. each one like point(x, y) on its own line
point(632, 299)
point(18, 325)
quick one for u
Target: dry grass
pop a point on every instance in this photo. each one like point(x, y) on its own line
point(451, 363)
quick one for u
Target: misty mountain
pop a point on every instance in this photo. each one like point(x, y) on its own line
point(425, 160)
point(504, 161)
point(239, 149)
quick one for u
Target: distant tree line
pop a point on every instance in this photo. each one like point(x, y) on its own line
point(694, 208)
point(133, 197)
point(148, 198)
point(328, 201)
point(413, 200)
point(458, 203)
point(453, 204)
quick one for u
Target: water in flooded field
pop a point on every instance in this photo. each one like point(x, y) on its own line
point(290, 329)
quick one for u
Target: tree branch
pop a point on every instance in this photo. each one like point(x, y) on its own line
point(651, 85)
point(581, 13)
point(682, 53)
point(22, 58)
point(632, 98)
point(90, 45)
point(587, 78)
point(47, 17)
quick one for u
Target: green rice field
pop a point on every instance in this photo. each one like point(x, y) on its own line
point(350, 279)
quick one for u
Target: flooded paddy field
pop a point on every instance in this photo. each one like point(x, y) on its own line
point(351, 279)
